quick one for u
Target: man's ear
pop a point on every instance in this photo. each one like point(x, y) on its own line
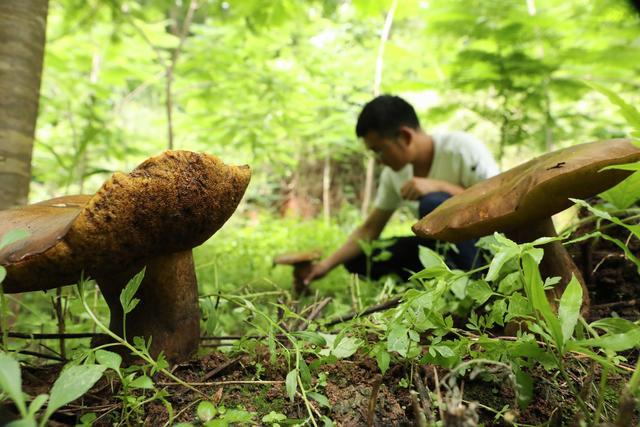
point(406, 135)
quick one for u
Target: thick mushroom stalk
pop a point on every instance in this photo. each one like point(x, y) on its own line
point(521, 201)
point(151, 217)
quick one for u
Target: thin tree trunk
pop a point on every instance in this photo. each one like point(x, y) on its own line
point(193, 5)
point(377, 82)
point(22, 38)
point(326, 188)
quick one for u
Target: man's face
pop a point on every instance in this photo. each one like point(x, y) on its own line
point(390, 151)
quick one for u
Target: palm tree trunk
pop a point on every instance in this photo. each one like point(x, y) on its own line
point(22, 38)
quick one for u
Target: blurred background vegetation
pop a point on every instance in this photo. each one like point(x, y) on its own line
point(278, 85)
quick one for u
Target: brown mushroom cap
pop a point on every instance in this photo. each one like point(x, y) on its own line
point(294, 258)
point(169, 203)
point(530, 192)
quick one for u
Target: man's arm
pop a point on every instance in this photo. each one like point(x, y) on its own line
point(369, 230)
point(418, 187)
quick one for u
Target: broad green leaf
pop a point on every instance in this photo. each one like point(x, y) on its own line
point(569, 309)
point(398, 340)
point(206, 410)
point(72, 383)
point(626, 193)
point(614, 325)
point(310, 337)
point(499, 260)
point(239, 416)
point(11, 381)
point(480, 291)
point(273, 417)
point(109, 359)
point(142, 381)
point(615, 342)
point(434, 265)
point(320, 398)
point(291, 383)
point(346, 347)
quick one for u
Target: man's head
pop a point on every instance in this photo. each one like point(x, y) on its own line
point(385, 115)
point(388, 124)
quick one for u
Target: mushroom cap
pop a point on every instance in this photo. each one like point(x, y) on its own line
point(293, 258)
point(169, 203)
point(529, 192)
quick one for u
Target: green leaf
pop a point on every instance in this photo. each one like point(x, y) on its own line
point(616, 342)
point(142, 381)
point(398, 340)
point(320, 398)
point(72, 383)
point(535, 291)
point(238, 416)
point(291, 383)
point(11, 381)
point(346, 347)
point(127, 299)
point(109, 359)
point(569, 309)
point(305, 375)
point(25, 422)
point(626, 193)
point(524, 384)
point(206, 410)
point(383, 358)
point(630, 113)
point(480, 291)
point(37, 403)
point(310, 337)
point(273, 417)
point(499, 260)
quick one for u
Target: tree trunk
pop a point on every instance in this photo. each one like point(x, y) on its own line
point(22, 38)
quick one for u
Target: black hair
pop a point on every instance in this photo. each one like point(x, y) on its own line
point(384, 115)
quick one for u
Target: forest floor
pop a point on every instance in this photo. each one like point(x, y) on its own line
point(248, 387)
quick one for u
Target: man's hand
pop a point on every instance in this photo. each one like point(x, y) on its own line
point(318, 271)
point(418, 187)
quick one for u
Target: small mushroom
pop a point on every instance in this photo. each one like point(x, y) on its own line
point(301, 262)
point(521, 201)
point(151, 217)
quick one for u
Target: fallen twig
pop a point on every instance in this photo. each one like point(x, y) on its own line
point(315, 313)
point(376, 308)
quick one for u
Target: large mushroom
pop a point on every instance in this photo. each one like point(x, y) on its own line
point(521, 201)
point(151, 217)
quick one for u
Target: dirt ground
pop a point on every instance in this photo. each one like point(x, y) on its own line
point(614, 286)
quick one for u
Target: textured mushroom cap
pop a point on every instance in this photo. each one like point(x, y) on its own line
point(169, 203)
point(530, 192)
point(294, 258)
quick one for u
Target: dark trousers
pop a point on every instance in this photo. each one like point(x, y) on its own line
point(403, 258)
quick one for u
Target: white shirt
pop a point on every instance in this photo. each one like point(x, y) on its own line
point(458, 158)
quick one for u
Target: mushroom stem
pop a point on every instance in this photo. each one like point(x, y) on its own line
point(168, 309)
point(300, 271)
point(556, 261)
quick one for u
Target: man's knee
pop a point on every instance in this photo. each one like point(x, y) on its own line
point(430, 201)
